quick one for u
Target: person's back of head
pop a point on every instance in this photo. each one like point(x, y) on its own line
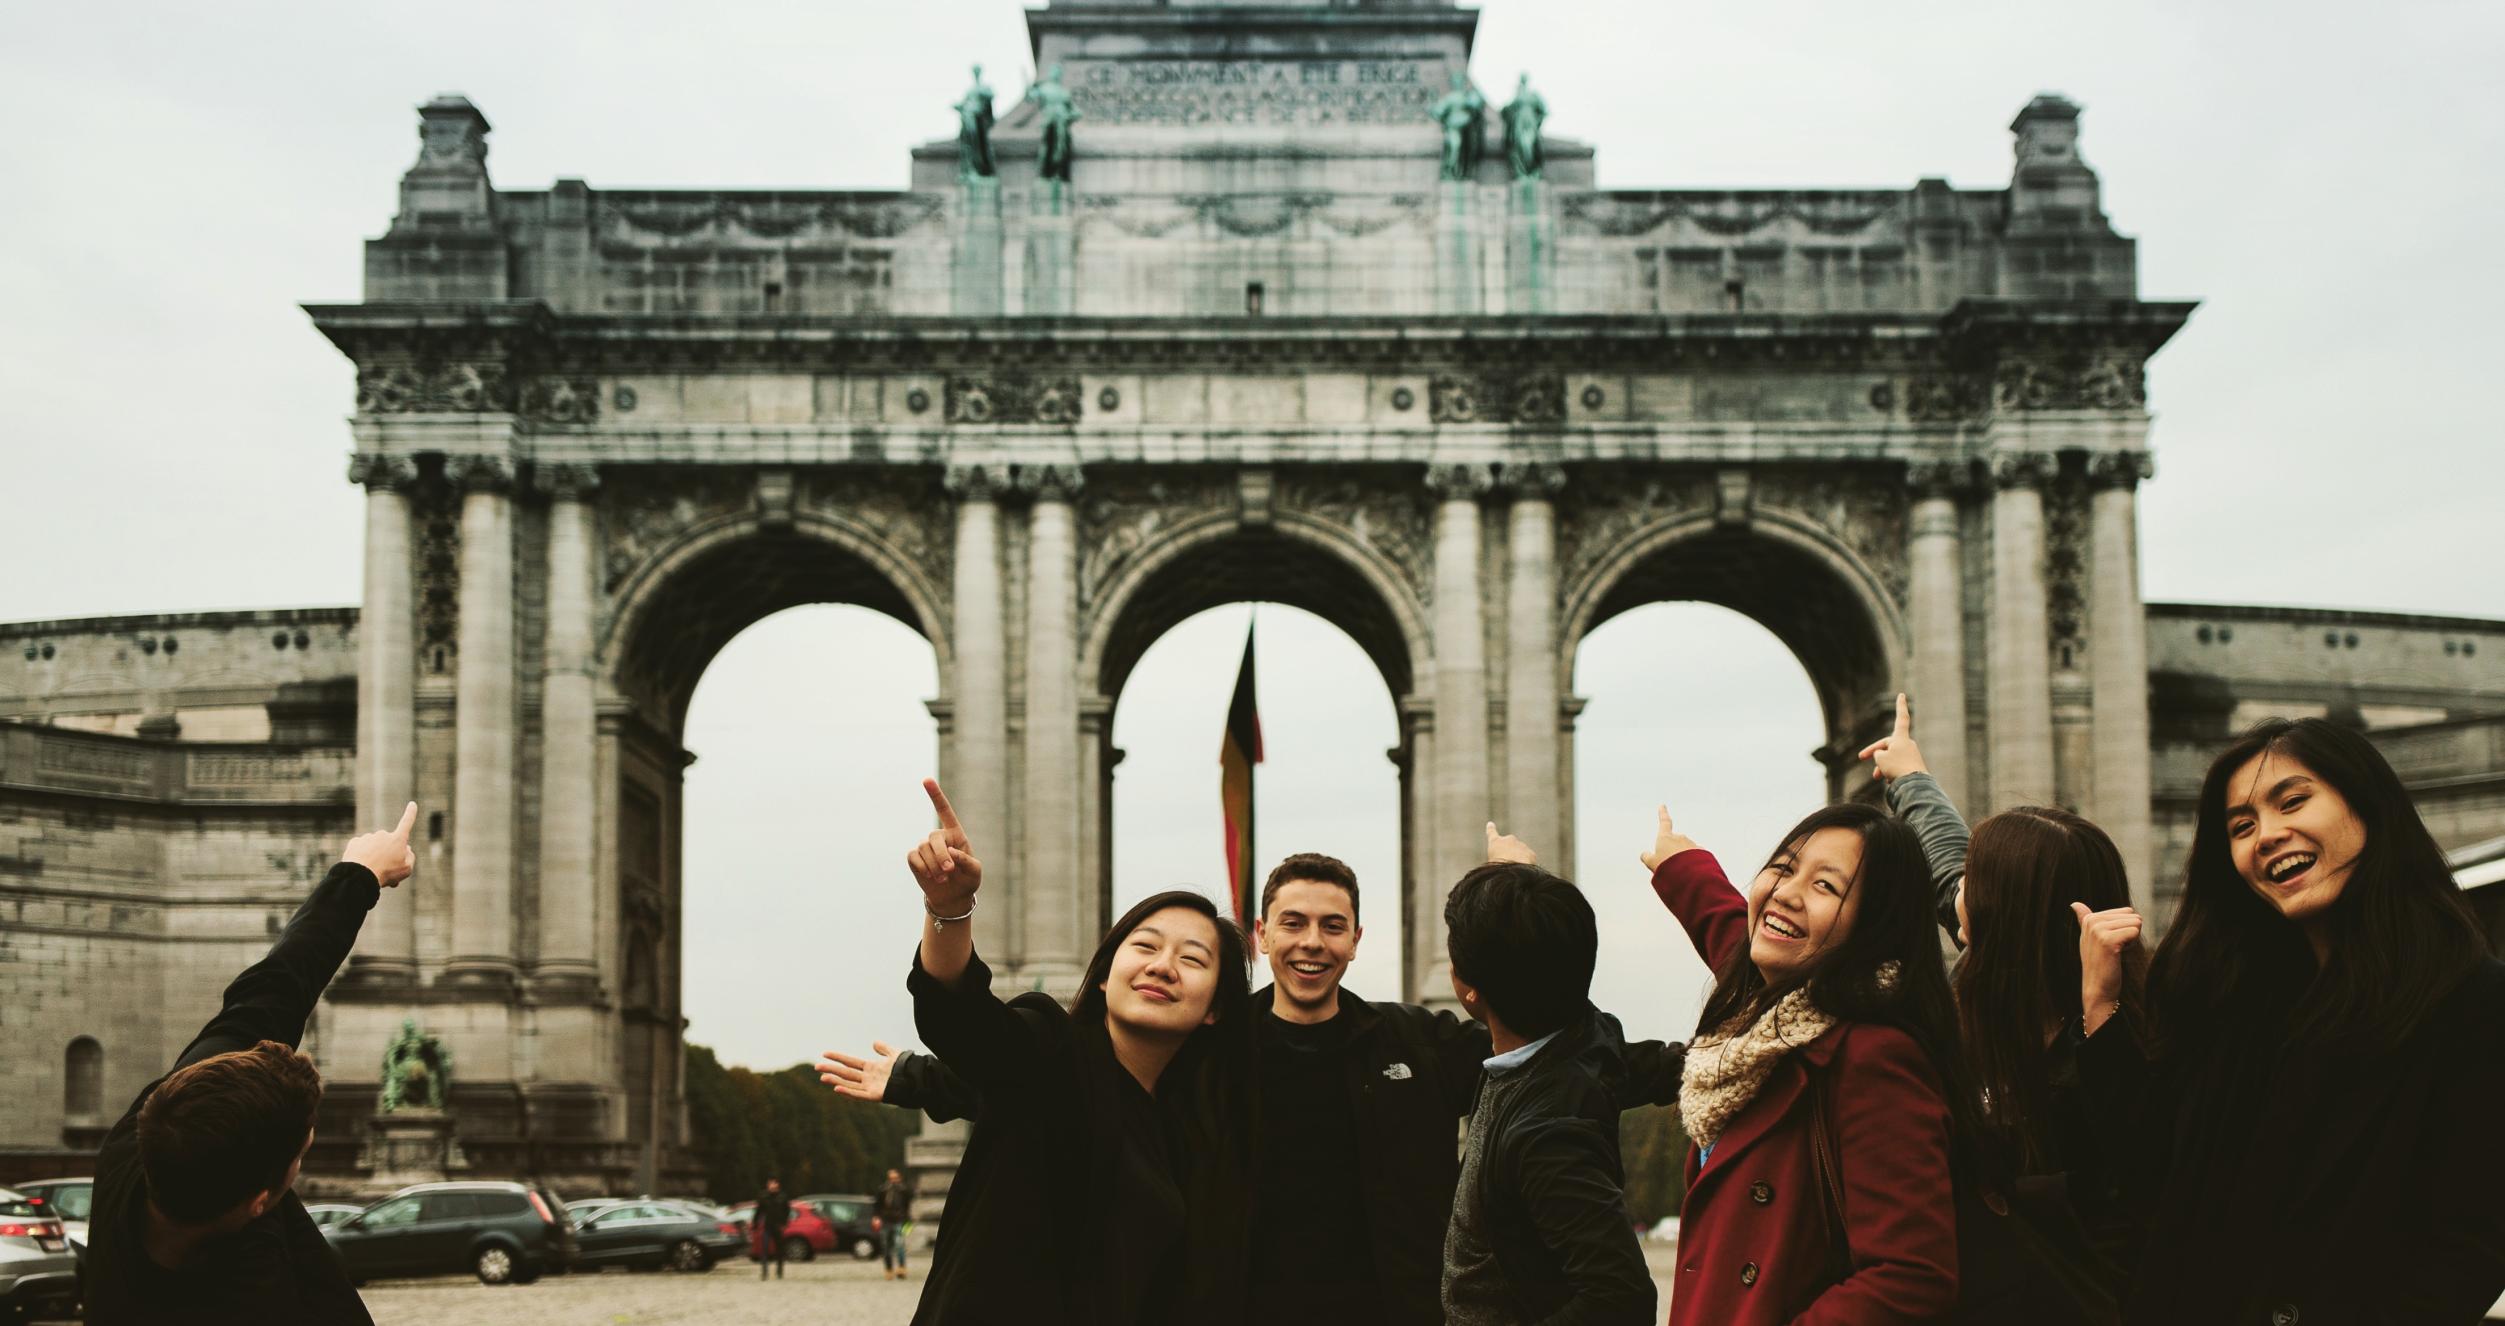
point(1526, 942)
point(220, 1140)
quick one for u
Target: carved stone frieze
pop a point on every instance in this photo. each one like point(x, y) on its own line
point(436, 507)
point(1602, 510)
point(641, 220)
point(1120, 518)
point(560, 400)
point(2097, 380)
point(453, 387)
point(1491, 398)
point(645, 513)
point(1622, 216)
point(897, 508)
point(2066, 566)
point(1943, 398)
point(1868, 518)
point(1014, 399)
point(1393, 521)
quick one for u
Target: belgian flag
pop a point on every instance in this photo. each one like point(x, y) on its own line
point(1236, 757)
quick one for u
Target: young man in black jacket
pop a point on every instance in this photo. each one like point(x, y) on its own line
point(1539, 1229)
point(1357, 1109)
point(194, 1219)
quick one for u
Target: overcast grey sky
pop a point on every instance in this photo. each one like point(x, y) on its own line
point(2325, 178)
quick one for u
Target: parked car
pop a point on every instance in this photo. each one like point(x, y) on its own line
point(654, 1234)
point(327, 1214)
point(852, 1216)
point(38, 1272)
point(505, 1233)
point(805, 1235)
point(66, 1200)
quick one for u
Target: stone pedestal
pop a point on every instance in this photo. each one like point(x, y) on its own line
point(413, 1144)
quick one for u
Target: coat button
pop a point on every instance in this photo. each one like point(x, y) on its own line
point(1748, 1274)
point(1761, 1192)
point(2283, 1315)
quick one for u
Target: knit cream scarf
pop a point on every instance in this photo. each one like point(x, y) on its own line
point(1725, 1067)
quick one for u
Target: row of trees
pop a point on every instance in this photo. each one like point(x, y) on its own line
point(750, 1126)
point(1654, 1147)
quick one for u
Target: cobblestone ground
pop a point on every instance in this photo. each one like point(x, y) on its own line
point(837, 1292)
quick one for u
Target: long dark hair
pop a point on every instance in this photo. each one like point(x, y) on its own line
point(2020, 974)
point(1895, 924)
point(2402, 936)
point(1206, 1097)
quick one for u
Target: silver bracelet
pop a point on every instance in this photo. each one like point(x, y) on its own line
point(939, 922)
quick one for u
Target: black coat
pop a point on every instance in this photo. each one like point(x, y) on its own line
point(278, 1267)
point(1411, 1072)
point(774, 1211)
point(2300, 1187)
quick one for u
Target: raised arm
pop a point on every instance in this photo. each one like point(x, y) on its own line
point(990, 1044)
point(945, 866)
point(272, 998)
point(1918, 799)
point(903, 1079)
point(1691, 884)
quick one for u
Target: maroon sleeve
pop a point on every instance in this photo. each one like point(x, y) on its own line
point(1900, 1211)
point(1692, 886)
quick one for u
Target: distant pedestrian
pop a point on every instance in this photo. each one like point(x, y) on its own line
point(774, 1211)
point(895, 1207)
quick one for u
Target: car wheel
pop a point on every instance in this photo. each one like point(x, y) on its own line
point(864, 1249)
point(798, 1249)
point(495, 1264)
point(686, 1256)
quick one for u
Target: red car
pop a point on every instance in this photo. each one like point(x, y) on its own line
point(805, 1235)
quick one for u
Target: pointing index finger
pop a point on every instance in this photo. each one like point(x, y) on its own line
point(408, 821)
point(939, 802)
point(1904, 716)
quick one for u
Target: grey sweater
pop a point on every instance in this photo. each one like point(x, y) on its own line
point(1918, 800)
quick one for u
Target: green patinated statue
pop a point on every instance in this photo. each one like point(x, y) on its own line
point(417, 1070)
point(1523, 117)
point(974, 130)
point(1058, 114)
point(1465, 135)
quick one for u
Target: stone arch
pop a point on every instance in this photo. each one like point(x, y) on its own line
point(675, 611)
point(1823, 600)
point(82, 1078)
point(1299, 560)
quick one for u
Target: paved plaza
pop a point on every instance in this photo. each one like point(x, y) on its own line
point(820, 1293)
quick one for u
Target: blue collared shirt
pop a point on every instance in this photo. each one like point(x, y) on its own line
point(1514, 1058)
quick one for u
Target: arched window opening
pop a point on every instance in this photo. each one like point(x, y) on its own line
point(82, 1088)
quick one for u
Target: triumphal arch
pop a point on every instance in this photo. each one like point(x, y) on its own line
point(1236, 302)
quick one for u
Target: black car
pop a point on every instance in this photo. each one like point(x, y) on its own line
point(653, 1234)
point(850, 1214)
point(505, 1233)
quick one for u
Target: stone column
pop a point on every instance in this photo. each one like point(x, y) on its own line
point(387, 700)
point(1460, 773)
point(1535, 806)
point(2118, 668)
point(979, 773)
point(2020, 707)
point(1936, 562)
point(569, 738)
point(1056, 934)
point(483, 728)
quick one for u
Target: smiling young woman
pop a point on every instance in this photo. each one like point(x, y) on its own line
point(2316, 1116)
point(1108, 1179)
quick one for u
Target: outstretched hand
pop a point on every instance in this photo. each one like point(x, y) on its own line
point(856, 1076)
point(386, 852)
point(1506, 847)
point(1667, 842)
point(1895, 755)
point(2102, 938)
point(944, 863)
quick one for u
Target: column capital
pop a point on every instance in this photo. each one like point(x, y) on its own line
point(976, 483)
point(1540, 479)
point(2121, 469)
point(381, 473)
point(2021, 469)
point(1050, 483)
point(1940, 478)
point(1458, 481)
point(480, 474)
point(566, 483)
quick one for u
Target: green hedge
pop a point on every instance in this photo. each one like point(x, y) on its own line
point(748, 1126)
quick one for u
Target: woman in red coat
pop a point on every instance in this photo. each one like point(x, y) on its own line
point(1831, 1030)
